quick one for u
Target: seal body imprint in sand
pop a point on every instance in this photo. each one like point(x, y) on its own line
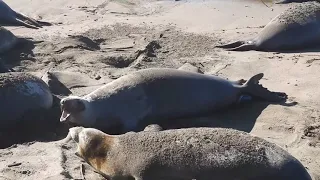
point(20, 93)
point(7, 39)
point(158, 93)
point(287, 31)
point(192, 153)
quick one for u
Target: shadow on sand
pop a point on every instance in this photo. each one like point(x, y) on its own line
point(241, 117)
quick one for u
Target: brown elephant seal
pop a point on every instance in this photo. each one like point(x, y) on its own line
point(10, 17)
point(191, 153)
point(158, 93)
point(286, 31)
point(7, 40)
point(20, 93)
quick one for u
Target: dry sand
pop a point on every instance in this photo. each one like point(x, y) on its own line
point(103, 40)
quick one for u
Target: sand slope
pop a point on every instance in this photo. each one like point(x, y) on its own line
point(107, 39)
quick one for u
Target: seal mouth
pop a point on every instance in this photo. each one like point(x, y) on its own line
point(64, 116)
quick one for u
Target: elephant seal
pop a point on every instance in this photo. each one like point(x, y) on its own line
point(10, 17)
point(158, 93)
point(278, 34)
point(7, 39)
point(20, 93)
point(190, 153)
point(292, 1)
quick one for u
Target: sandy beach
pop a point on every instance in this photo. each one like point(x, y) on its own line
point(101, 40)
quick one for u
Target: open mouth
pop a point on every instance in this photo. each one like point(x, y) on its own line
point(64, 116)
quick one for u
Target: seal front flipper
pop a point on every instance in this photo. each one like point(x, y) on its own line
point(252, 87)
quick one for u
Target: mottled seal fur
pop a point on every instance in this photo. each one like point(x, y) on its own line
point(10, 17)
point(158, 93)
point(20, 93)
point(7, 40)
point(192, 153)
point(286, 31)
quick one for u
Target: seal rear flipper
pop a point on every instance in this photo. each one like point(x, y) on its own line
point(232, 45)
point(252, 87)
point(239, 46)
point(22, 23)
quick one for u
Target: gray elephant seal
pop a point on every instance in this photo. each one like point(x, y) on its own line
point(10, 17)
point(7, 40)
point(278, 34)
point(20, 93)
point(292, 1)
point(192, 153)
point(158, 93)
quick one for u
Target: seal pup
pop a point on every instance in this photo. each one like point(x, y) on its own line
point(278, 34)
point(10, 17)
point(19, 93)
point(191, 153)
point(158, 93)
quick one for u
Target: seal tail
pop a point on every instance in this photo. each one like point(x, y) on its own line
point(252, 87)
point(239, 46)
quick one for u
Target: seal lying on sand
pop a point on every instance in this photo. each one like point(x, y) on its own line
point(192, 153)
point(286, 31)
point(10, 17)
point(292, 1)
point(158, 93)
point(7, 39)
point(20, 93)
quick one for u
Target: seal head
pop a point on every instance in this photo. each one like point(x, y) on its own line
point(93, 146)
point(74, 109)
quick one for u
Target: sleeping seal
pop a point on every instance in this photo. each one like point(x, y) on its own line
point(286, 31)
point(157, 93)
point(7, 39)
point(20, 93)
point(191, 153)
point(10, 17)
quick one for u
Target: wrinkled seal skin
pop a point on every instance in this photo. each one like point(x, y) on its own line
point(192, 153)
point(157, 94)
point(10, 17)
point(7, 40)
point(20, 93)
point(278, 34)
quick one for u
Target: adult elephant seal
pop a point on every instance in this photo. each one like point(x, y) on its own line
point(10, 17)
point(286, 31)
point(19, 94)
point(192, 153)
point(158, 93)
point(292, 1)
